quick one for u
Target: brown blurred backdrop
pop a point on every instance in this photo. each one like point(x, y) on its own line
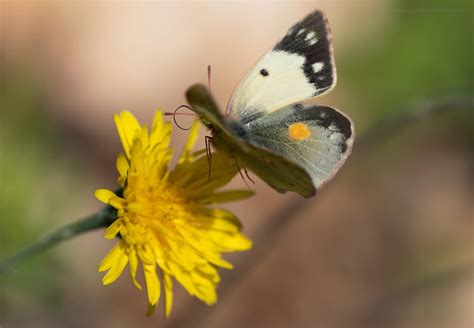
point(388, 243)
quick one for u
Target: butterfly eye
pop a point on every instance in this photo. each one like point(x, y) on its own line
point(264, 72)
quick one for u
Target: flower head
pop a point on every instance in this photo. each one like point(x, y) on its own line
point(165, 219)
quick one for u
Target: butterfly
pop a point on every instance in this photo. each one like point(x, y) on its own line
point(274, 126)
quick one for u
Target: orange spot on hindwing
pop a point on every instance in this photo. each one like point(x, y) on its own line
point(298, 131)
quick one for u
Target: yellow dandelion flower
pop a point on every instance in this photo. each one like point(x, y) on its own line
point(165, 219)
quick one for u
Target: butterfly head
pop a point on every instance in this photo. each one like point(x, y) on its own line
point(206, 122)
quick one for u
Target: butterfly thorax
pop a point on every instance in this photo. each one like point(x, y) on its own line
point(233, 139)
point(238, 129)
point(206, 123)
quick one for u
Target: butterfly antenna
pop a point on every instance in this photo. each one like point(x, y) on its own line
point(176, 113)
point(209, 77)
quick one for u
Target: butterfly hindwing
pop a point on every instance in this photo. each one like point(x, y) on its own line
point(299, 67)
point(279, 172)
point(318, 138)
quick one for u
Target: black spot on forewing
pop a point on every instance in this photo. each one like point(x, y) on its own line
point(263, 72)
point(311, 38)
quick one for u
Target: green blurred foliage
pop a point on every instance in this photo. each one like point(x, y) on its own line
point(36, 172)
point(426, 52)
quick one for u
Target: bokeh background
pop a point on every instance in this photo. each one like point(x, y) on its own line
point(388, 243)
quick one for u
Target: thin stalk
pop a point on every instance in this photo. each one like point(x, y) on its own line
point(92, 222)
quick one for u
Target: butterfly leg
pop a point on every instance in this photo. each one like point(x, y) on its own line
point(208, 141)
point(241, 175)
point(248, 176)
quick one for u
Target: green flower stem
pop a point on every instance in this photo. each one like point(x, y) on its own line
point(98, 220)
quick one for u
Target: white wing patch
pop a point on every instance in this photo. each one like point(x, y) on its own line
point(310, 35)
point(301, 31)
point(311, 38)
point(284, 82)
point(318, 67)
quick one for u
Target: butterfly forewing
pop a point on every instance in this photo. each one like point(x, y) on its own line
point(299, 67)
point(317, 138)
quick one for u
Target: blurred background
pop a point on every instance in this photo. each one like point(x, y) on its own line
point(388, 243)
